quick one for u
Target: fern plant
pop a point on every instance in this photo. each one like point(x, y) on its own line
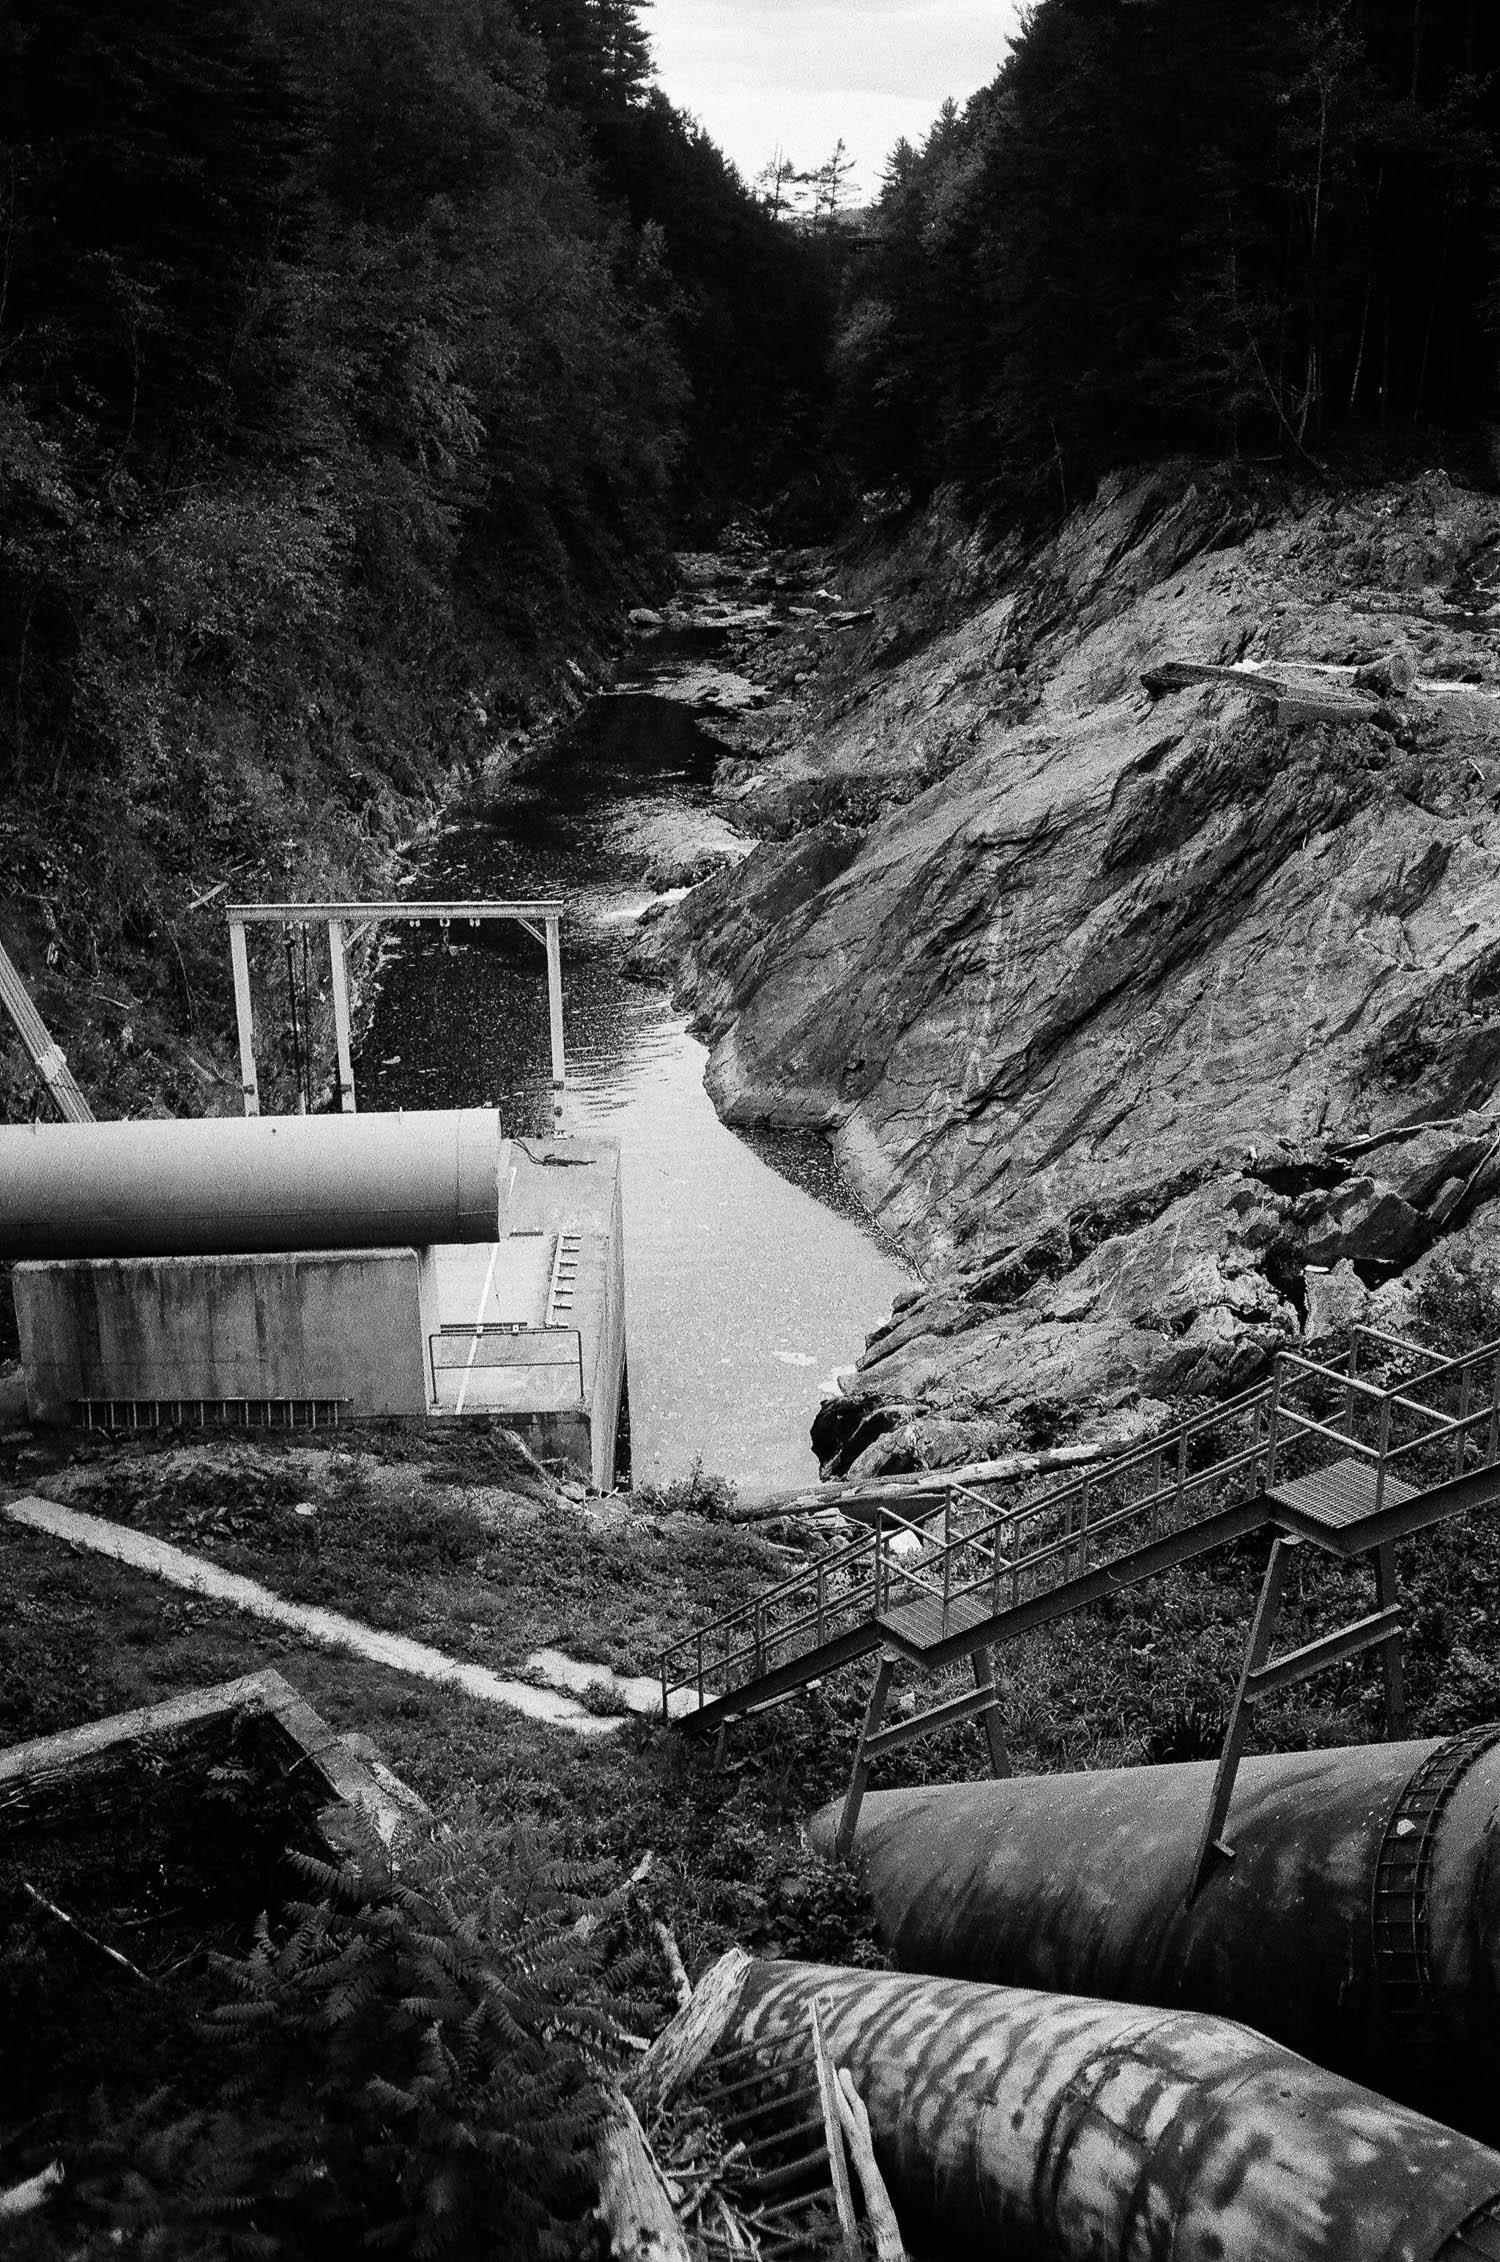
point(414, 2068)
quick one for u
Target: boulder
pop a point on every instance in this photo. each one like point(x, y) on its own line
point(1337, 1299)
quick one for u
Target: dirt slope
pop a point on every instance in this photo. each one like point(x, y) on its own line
point(1095, 986)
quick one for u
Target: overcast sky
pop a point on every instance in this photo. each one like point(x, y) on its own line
point(804, 72)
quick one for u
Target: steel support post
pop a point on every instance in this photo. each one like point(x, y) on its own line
point(555, 1013)
point(1258, 1649)
point(340, 972)
point(854, 1797)
point(240, 962)
point(994, 1729)
point(1392, 1664)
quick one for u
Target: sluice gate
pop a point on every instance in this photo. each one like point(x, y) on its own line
point(1047, 2128)
point(1358, 1921)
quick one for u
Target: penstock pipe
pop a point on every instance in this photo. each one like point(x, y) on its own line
point(1046, 2128)
point(1358, 1921)
point(237, 1186)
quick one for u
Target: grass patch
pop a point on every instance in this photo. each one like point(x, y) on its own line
point(487, 1572)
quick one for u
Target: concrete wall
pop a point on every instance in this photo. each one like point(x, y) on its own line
point(348, 1324)
point(574, 1186)
point(609, 1366)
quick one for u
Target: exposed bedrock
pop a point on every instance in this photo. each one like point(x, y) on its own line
point(1094, 990)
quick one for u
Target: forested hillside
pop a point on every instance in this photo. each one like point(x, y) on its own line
point(1230, 225)
point(355, 364)
point(358, 363)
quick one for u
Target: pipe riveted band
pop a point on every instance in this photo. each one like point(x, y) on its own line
point(1403, 1872)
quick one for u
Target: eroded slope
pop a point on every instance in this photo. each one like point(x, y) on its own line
point(1094, 987)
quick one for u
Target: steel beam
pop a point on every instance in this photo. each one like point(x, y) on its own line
point(1316, 1656)
point(244, 1014)
point(413, 911)
point(1140, 1563)
point(340, 973)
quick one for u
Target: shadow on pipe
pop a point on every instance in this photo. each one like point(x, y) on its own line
point(1046, 2128)
point(1358, 1921)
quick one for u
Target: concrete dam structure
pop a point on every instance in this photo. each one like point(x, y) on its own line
point(316, 1268)
point(1358, 1921)
point(1049, 2128)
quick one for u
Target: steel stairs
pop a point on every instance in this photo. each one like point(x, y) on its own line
point(1310, 1455)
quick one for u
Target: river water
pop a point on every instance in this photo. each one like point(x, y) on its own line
point(751, 1277)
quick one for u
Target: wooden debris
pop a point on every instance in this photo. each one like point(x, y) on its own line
point(25, 2198)
point(672, 1958)
point(635, 2204)
point(1324, 707)
point(833, 2131)
point(81, 1932)
point(933, 1484)
point(889, 2244)
point(688, 2039)
point(1295, 701)
point(1177, 675)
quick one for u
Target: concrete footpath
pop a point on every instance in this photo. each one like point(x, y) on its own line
point(159, 1559)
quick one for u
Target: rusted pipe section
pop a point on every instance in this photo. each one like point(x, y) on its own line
point(235, 1186)
point(1049, 2128)
point(1358, 1920)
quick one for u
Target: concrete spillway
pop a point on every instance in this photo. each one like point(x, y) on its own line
point(233, 1186)
point(1358, 1920)
point(1045, 2128)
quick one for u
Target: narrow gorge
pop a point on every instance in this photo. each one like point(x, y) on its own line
point(1158, 1021)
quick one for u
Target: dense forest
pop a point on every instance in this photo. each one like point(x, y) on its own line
point(1221, 225)
point(356, 362)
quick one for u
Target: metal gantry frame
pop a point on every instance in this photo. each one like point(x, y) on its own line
point(345, 922)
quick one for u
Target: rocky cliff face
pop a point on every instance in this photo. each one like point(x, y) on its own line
point(1130, 1011)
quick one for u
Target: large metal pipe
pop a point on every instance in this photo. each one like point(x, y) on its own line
point(234, 1186)
point(1357, 1920)
point(1049, 2128)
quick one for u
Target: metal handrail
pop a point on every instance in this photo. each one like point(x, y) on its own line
point(869, 1545)
point(1397, 1342)
point(1148, 1504)
point(867, 1572)
point(1290, 1415)
point(827, 1563)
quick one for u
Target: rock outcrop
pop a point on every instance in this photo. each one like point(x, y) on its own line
point(1097, 989)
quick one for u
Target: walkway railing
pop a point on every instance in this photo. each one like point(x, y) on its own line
point(1436, 1419)
point(965, 1548)
point(964, 1563)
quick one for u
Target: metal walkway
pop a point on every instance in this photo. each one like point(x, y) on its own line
point(1310, 1455)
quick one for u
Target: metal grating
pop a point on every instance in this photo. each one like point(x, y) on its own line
point(1403, 1872)
point(1341, 1495)
point(202, 1413)
point(767, 2100)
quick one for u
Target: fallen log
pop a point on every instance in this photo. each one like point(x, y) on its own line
point(849, 1492)
point(1295, 700)
point(686, 2040)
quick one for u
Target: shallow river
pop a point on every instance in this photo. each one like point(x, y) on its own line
point(750, 1276)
